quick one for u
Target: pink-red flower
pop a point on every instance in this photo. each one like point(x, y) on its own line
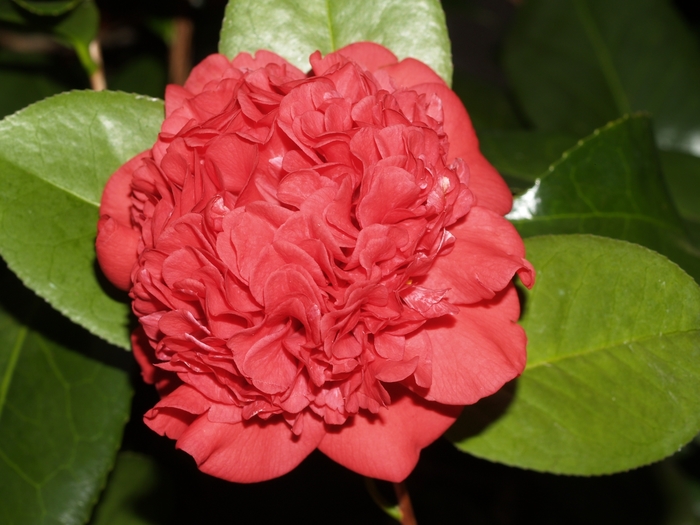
point(316, 261)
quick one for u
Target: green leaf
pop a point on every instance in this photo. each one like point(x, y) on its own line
point(577, 64)
point(294, 30)
point(62, 413)
point(522, 156)
point(613, 363)
point(137, 494)
point(48, 7)
point(55, 157)
point(610, 184)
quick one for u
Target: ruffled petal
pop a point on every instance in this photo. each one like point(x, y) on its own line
point(476, 351)
point(487, 253)
point(249, 452)
point(174, 413)
point(490, 189)
point(387, 446)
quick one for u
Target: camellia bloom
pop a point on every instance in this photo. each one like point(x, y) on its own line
point(316, 261)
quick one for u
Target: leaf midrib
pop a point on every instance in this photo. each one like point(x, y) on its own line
point(607, 347)
point(329, 20)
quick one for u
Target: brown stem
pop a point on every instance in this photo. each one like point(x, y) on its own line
point(181, 50)
point(407, 516)
point(98, 82)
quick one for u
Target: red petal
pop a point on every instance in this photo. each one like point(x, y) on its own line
point(235, 160)
point(174, 413)
point(211, 68)
point(387, 446)
point(410, 72)
point(145, 356)
point(476, 351)
point(368, 55)
point(487, 253)
point(116, 246)
point(488, 186)
point(248, 452)
point(116, 197)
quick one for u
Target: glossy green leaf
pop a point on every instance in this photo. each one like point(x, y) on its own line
point(136, 494)
point(610, 184)
point(48, 7)
point(55, 157)
point(294, 30)
point(521, 156)
point(577, 64)
point(613, 363)
point(62, 413)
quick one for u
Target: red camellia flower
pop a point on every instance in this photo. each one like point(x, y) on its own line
point(316, 261)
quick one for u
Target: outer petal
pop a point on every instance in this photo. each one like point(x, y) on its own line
point(211, 68)
point(248, 452)
point(369, 55)
point(173, 414)
point(410, 72)
point(476, 351)
point(487, 253)
point(116, 197)
point(263, 58)
point(489, 188)
point(387, 446)
point(116, 246)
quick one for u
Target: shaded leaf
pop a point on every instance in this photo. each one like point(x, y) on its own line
point(47, 7)
point(682, 174)
point(521, 156)
point(489, 106)
point(62, 413)
point(613, 363)
point(144, 74)
point(135, 494)
point(294, 30)
point(577, 64)
point(55, 157)
point(77, 29)
point(610, 184)
point(10, 12)
point(27, 78)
